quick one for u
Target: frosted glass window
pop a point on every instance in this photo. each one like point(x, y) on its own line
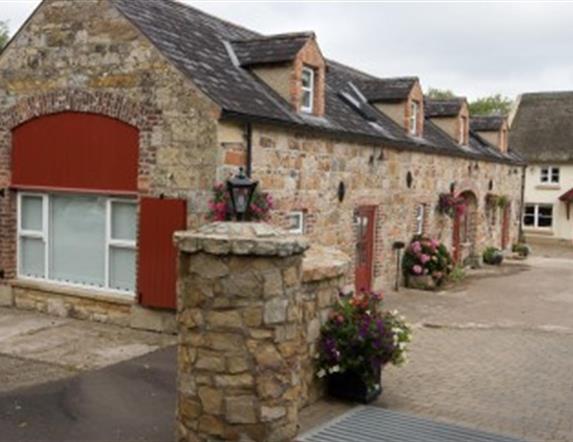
point(32, 208)
point(77, 240)
point(122, 269)
point(32, 257)
point(123, 221)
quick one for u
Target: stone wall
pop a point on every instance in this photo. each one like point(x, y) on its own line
point(303, 172)
point(249, 315)
point(70, 58)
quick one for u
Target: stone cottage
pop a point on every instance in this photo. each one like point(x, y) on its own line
point(118, 116)
point(540, 130)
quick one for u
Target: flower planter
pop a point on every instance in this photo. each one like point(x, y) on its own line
point(351, 387)
point(421, 282)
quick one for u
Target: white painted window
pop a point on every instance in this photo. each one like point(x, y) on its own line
point(539, 216)
point(549, 175)
point(295, 223)
point(414, 110)
point(78, 240)
point(307, 86)
point(420, 218)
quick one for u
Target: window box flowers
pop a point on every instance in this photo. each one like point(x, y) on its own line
point(356, 342)
point(426, 263)
point(451, 205)
point(220, 207)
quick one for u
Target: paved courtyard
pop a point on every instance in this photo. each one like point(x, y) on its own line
point(495, 353)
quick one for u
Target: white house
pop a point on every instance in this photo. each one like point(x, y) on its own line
point(542, 132)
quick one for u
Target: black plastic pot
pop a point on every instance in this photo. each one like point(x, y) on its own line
point(351, 387)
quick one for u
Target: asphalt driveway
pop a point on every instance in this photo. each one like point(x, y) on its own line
point(130, 401)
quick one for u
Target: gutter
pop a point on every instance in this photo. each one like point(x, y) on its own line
point(390, 143)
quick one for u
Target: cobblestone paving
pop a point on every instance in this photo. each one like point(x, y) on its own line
point(494, 353)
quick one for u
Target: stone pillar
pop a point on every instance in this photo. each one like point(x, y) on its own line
point(239, 319)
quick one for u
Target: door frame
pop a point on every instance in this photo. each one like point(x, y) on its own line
point(371, 212)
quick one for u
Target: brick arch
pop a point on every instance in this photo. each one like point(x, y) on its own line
point(145, 118)
point(468, 186)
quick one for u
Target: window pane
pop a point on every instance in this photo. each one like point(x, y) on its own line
point(77, 241)
point(122, 269)
point(123, 221)
point(544, 175)
point(545, 211)
point(306, 99)
point(32, 213)
point(530, 210)
point(529, 220)
point(307, 78)
point(32, 257)
point(555, 175)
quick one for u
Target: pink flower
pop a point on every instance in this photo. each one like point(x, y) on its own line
point(435, 243)
point(424, 259)
point(416, 247)
point(417, 270)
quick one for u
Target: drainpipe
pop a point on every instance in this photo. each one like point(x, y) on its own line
point(522, 204)
point(249, 139)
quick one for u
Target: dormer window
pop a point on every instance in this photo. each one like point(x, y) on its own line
point(464, 130)
point(413, 120)
point(307, 87)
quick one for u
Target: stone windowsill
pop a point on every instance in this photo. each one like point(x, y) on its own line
point(548, 187)
point(541, 232)
point(78, 292)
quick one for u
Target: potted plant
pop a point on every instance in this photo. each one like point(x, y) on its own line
point(220, 207)
point(503, 201)
point(451, 205)
point(357, 341)
point(426, 263)
point(522, 250)
point(492, 256)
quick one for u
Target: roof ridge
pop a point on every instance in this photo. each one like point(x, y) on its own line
point(546, 93)
point(182, 5)
point(281, 36)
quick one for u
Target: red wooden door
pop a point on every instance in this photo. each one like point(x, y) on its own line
point(505, 227)
point(157, 268)
point(365, 221)
point(457, 242)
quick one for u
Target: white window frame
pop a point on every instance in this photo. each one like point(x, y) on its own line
point(299, 214)
point(420, 218)
point(536, 216)
point(310, 89)
point(463, 129)
point(548, 172)
point(414, 109)
point(45, 236)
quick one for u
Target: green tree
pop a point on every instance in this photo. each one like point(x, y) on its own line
point(440, 94)
point(492, 105)
point(3, 34)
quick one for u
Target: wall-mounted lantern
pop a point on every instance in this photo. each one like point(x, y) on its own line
point(241, 188)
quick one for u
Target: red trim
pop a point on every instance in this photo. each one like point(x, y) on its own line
point(67, 190)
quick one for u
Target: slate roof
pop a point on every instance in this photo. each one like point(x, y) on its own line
point(450, 107)
point(270, 49)
point(210, 51)
point(489, 123)
point(542, 127)
point(388, 89)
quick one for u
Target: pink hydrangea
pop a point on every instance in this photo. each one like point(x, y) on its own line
point(417, 270)
point(424, 258)
point(416, 247)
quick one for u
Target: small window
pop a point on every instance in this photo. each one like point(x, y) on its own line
point(538, 216)
point(420, 218)
point(295, 223)
point(463, 130)
point(307, 87)
point(413, 124)
point(549, 175)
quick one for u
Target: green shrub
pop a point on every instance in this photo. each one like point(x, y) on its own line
point(492, 256)
point(458, 274)
point(521, 249)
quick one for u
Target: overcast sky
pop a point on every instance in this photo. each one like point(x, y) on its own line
point(474, 49)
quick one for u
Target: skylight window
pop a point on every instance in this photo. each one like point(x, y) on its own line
point(307, 101)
